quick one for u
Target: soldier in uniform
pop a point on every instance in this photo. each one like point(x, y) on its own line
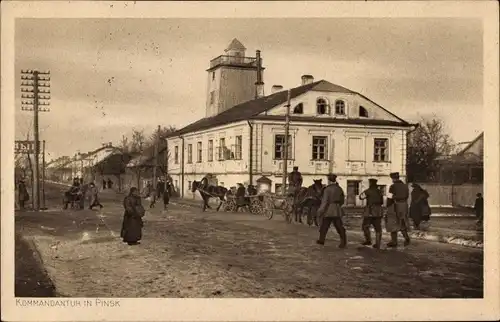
point(295, 183)
point(397, 210)
point(331, 211)
point(372, 215)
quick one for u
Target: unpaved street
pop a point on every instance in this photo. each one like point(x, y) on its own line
point(187, 253)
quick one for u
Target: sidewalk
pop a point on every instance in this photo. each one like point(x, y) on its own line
point(470, 237)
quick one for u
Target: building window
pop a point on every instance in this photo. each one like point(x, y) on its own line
point(190, 153)
point(380, 150)
point(298, 109)
point(210, 156)
point(322, 106)
point(340, 107)
point(213, 75)
point(363, 112)
point(319, 147)
point(199, 146)
point(238, 147)
point(279, 147)
point(222, 149)
point(176, 154)
point(212, 97)
point(189, 185)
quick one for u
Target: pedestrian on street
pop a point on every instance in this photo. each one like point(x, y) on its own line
point(132, 218)
point(110, 184)
point(94, 197)
point(420, 210)
point(479, 208)
point(397, 211)
point(166, 194)
point(240, 197)
point(103, 184)
point(331, 211)
point(23, 194)
point(372, 215)
point(83, 194)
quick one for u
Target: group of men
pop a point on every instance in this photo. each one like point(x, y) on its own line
point(331, 210)
point(163, 190)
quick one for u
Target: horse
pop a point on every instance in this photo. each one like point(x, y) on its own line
point(209, 191)
point(310, 198)
point(72, 197)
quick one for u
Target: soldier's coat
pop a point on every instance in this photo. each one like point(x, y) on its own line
point(397, 208)
point(331, 202)
point(374, 202)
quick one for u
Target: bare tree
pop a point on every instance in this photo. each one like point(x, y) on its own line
point(425, 145)
point(138, 141)
point(124, 144)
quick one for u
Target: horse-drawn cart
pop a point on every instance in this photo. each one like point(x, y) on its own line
point(256, 204)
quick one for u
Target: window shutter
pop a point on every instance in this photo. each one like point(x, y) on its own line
point(355, 149)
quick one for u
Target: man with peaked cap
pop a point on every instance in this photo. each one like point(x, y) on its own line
point(397, 210)
point(372, 215)
point(331, 211)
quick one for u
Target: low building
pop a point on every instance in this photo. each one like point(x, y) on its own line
point(332, 129)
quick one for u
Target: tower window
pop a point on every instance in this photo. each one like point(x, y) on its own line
point(322, 106)
point(213, 75)
point(363, 112)
point(299, 109)
point(340, 107)
point(212, 97)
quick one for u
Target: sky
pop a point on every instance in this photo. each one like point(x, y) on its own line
point(110, 76)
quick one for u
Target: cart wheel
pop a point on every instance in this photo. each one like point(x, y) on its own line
point(231, 205)
point(255, 206)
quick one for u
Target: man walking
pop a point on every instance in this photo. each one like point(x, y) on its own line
point(331, 211)
point(372, 215)
point(397, 211)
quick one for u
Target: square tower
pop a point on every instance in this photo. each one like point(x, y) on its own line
point(233, 79)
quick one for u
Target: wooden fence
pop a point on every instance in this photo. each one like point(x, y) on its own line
point(463, 195)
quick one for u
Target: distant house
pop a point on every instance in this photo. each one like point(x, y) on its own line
point(464, 167)
point(139, 170)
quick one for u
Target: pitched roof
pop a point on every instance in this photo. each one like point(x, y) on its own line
point(235, 44)
point(468, 146)
point(252, 109)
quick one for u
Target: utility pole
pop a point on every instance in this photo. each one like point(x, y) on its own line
point(43, 177)
point(34, 87)
point(285, 154)
point(155, 164)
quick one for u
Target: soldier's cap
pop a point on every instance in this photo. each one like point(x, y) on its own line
point(394, 175)
point(331, 177)
point(372, 180)
point(296, 168)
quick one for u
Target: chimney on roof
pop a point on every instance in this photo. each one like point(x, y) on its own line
point(307, 79)
point(259, 84)
point(276, 89)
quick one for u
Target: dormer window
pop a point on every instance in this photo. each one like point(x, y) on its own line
point(299, 109)
point(363, 112)
point(322, 106)
point(340, 107)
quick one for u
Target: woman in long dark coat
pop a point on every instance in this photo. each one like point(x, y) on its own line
point(419, 206)
point(132, 218)
point(23, 194)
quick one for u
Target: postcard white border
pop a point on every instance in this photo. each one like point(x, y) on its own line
point(260, 309)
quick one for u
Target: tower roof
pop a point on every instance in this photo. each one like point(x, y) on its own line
point(235, 44)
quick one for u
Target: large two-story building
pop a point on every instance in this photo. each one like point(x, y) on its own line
point(242, 138)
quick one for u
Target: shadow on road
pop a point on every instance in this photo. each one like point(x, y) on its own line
point(31, 279)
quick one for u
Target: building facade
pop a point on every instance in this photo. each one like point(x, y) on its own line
point(332, 130)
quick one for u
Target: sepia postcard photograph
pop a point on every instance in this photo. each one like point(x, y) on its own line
point(250, 161)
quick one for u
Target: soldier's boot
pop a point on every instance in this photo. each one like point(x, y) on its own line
point(343, 238)
point(378, 240)
point(407, 238)
point(394, 240)
point(368, 237)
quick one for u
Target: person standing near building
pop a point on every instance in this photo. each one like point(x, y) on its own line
point(331, 211)
point(479, 208)
point(103, 184)
point(167, 193)
point(23, 194)
point(372, 215)
point(397, 211)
